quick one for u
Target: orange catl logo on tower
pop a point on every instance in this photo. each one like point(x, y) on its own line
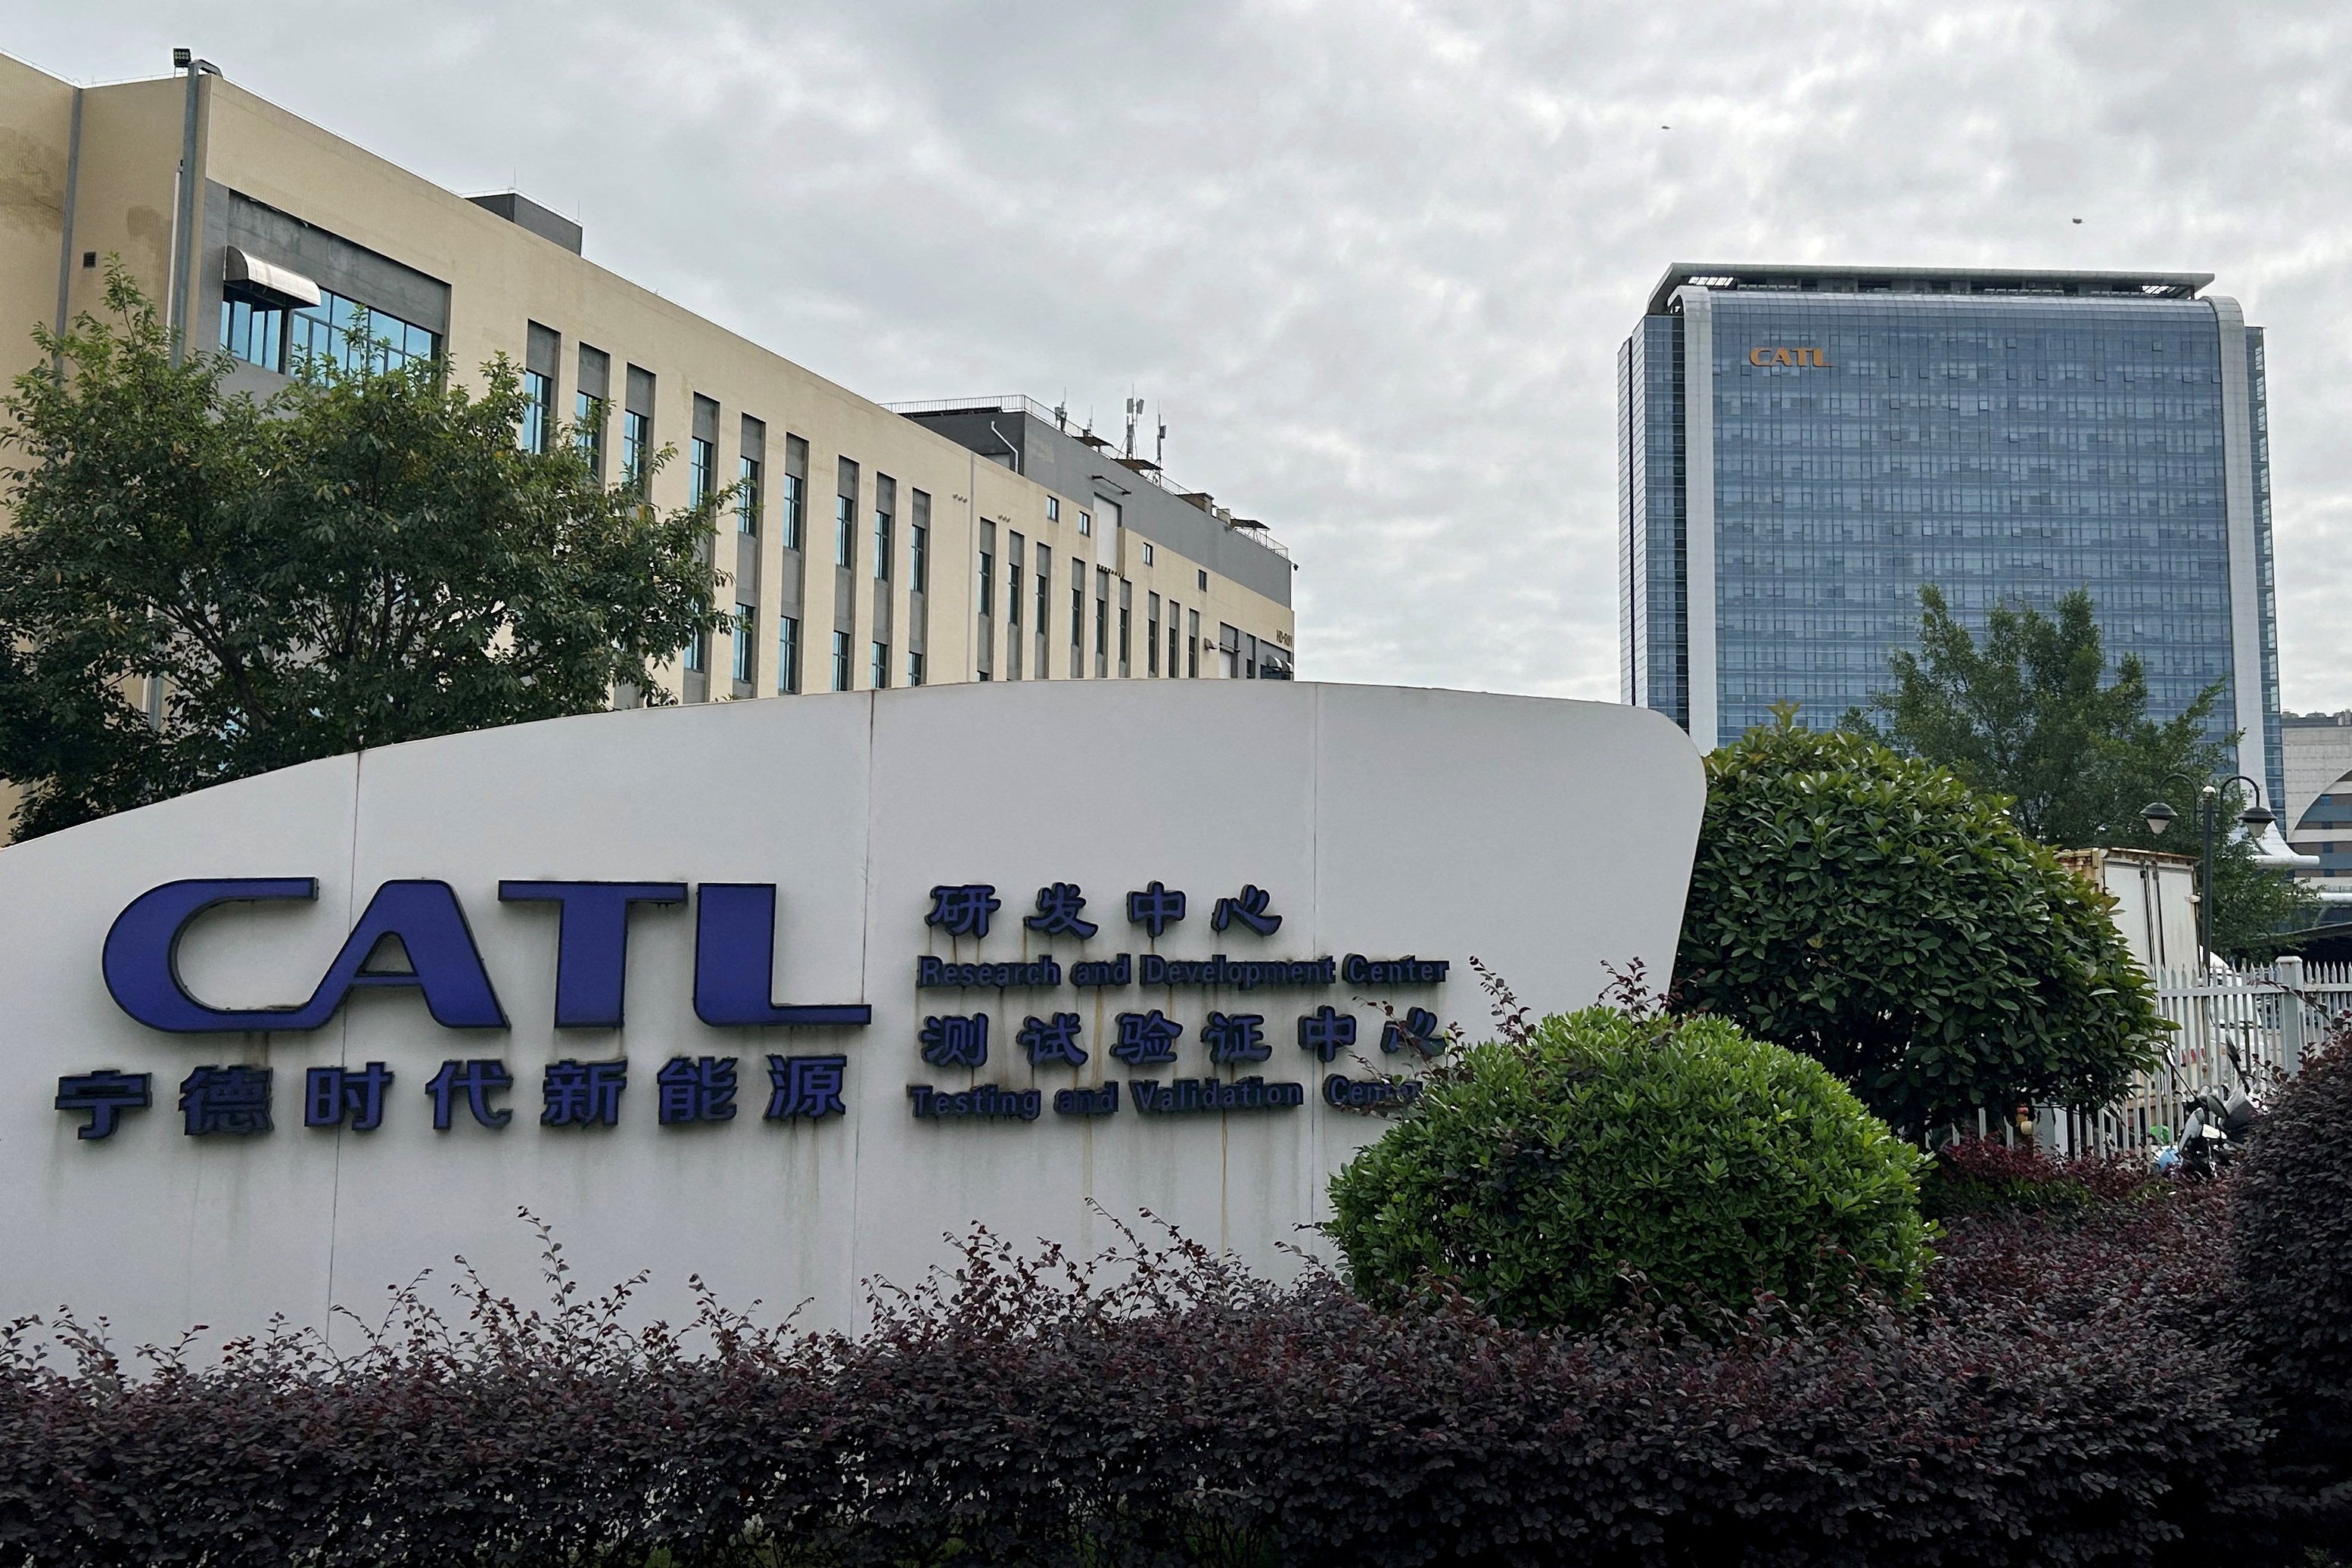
point(1801, 358)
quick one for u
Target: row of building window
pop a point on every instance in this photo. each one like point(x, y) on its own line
point(337, 331)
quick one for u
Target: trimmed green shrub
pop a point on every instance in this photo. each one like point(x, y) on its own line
point(1539, 1174)
point(1872, 912)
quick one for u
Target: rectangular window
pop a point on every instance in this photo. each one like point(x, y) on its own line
point(588, 429)
point(1052, 508)
point(1205, 581)
point(845, 514)
point(695, 656)
point(1126, 619)
point(796, 500)
point(1078, 618)
point(253, 334)
point(881, 667)
point(636, 448)
point(1044, 604)
point(588, 406)
point(352, 337)
point(918, 558)
point(1146, 553)
point(1014, 555)
point(1175, 640)
point(701, 470)
point(747, 627)
point(747, 495)
point(1192, 644)
point(1102, 623)
point(881, 546)
point(788, 655)
point(987, 583)
point(914, 667)
point(750, 476)
point(1086, 522)
point(841, 662)
point(1229, 651)
point(1151, 635)
point(538, 411)
point(789, 515)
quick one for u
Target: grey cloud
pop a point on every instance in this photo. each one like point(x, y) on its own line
point(1374, 260)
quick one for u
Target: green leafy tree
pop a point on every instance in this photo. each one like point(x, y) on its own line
point(1537, 1170)
point(198, 587)
point(2029, 712)
point(1873, 911)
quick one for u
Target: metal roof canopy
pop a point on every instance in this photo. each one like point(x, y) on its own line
point(1936, 280)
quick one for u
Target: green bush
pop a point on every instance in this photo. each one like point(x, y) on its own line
point(2292, 1238)
point(1872, 912)
point(1984, 1175)
point(1537, 1173)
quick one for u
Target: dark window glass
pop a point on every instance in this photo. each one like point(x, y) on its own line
point(747, 626)
point(788, 655)
point(588, 419)
point(538, 411)
point(748, 498)
point(253, 334)
point(351, 336)
point(637, 450)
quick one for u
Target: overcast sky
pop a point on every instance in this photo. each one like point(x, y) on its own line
point(1370, 261)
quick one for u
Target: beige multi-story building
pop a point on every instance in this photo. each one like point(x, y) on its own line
point(961, 541)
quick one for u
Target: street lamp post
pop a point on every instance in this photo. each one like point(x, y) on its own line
point(2254, 818)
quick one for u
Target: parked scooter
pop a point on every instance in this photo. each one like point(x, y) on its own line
point(2212, 1134)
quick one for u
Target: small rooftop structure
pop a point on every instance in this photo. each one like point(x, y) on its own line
point(1921, 280)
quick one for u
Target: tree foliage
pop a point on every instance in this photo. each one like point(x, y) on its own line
point(363, 559)
point(1543, 1174)
point(1873, 911)
point(2029, 712)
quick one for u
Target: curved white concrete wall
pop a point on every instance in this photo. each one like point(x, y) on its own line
point(1544, 837)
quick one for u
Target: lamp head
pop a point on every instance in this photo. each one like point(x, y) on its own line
point(2158, 815)
point(2256, 817)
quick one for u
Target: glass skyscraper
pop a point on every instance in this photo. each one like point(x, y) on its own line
point(1802, 449)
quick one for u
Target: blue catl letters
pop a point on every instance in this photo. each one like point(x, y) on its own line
point(734, 955)
point(141, 960)
point(413, 938)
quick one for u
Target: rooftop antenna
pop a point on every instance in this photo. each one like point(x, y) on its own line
point(1134, 412)
point(1160, 450)
point(1062, 412)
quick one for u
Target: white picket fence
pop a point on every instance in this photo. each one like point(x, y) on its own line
point(2235, 1028)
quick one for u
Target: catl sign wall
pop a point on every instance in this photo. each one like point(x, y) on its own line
point(781, 993)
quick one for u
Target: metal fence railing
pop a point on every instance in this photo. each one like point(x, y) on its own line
point(2233, 1030)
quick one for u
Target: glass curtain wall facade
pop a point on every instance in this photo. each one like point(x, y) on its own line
point(2003, 447)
